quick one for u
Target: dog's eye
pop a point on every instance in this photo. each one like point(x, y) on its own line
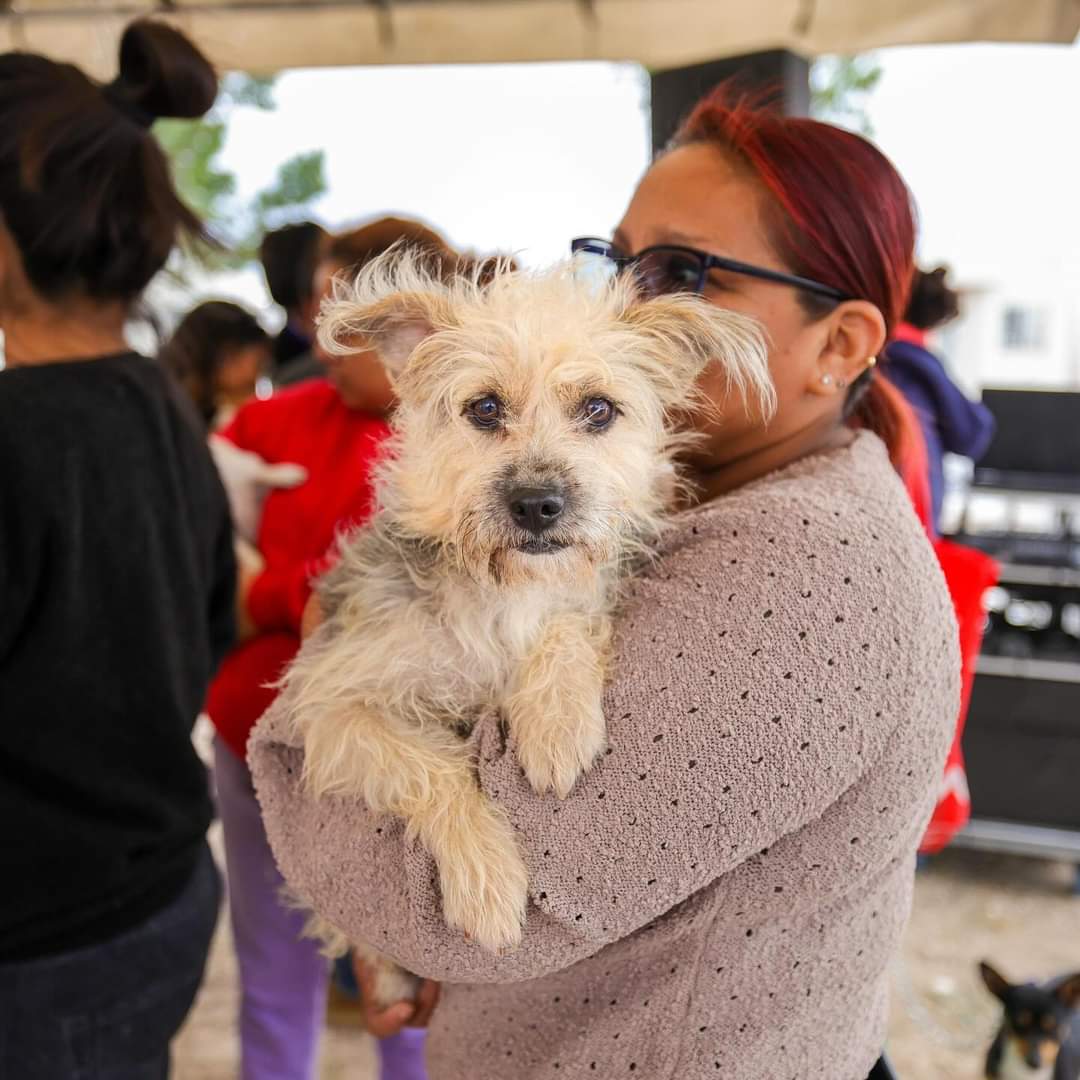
point(598, 412)
point(485, 412)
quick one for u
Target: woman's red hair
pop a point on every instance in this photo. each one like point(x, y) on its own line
point(839, 213)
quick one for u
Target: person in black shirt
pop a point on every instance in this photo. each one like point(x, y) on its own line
point(117, 584)
point(289, 256)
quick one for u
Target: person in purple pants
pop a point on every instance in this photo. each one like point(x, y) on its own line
point(285, 998)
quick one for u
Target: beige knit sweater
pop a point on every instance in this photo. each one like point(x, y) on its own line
point(720, 897)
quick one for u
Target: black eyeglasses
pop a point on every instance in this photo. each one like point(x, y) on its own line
point(671, 268)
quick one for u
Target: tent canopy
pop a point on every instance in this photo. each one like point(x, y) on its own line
point(268, 35)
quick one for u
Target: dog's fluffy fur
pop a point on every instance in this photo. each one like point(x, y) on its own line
point(434, 612)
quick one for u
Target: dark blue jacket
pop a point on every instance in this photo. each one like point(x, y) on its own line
point(950, 422)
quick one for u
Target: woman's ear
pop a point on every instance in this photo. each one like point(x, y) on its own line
point(856, 334)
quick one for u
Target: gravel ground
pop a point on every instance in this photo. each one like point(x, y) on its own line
point(1017, 912)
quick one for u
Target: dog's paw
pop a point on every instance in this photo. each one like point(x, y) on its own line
point(483, 879)
point(489, 910)
point(555, 754)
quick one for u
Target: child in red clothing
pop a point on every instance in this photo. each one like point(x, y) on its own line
point(333, 427)
point(311, 425)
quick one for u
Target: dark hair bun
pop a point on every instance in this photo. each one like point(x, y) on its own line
point(162, 74)
point(103, 226)
point(933, 303)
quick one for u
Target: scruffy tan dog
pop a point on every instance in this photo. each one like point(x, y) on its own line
point(530, 466)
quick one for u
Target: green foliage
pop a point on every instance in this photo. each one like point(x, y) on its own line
point(193, 147)
point(298, 181)
point(238, 88)
point(840, 87)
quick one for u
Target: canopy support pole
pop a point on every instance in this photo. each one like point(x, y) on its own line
point(780, 73)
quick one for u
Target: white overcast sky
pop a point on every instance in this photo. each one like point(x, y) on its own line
point(526, 156)
point(519, 157)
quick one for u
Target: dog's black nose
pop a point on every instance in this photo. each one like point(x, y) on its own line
point(535, 509)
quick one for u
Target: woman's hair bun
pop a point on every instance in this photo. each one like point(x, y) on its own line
point(933, 302)
point(162, 74)
point(103, 229)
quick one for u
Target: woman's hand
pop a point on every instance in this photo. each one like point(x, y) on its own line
point(383, 1023)
point(312, 617)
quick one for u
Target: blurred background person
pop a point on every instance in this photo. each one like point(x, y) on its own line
point(116, 574)
point(333, 427)
point(289, 256)
point(217, 354)
point(950, 422)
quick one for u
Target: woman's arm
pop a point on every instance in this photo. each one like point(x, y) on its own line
point(967, 427)
point(751, 689)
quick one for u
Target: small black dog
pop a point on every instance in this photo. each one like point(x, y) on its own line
point(1040, 1034)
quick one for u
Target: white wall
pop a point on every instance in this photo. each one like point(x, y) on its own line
point(978, 355)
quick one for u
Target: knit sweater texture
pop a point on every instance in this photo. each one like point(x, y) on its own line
point(722, 894)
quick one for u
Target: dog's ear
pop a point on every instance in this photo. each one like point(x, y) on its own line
point(996, 983)
point(394, 303)
point(688, 333)
point(393, 325)
point(1068, 992)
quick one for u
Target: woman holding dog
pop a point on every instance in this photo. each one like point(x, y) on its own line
point(116, 577)
point(721, 895)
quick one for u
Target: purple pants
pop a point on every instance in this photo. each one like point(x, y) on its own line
point(282, 976)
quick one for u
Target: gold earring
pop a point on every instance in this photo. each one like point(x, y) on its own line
point(872, 362)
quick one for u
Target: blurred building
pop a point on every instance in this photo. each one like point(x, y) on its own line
point(1012, 334)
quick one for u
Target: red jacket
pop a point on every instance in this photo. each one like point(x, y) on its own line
point(307, 424)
